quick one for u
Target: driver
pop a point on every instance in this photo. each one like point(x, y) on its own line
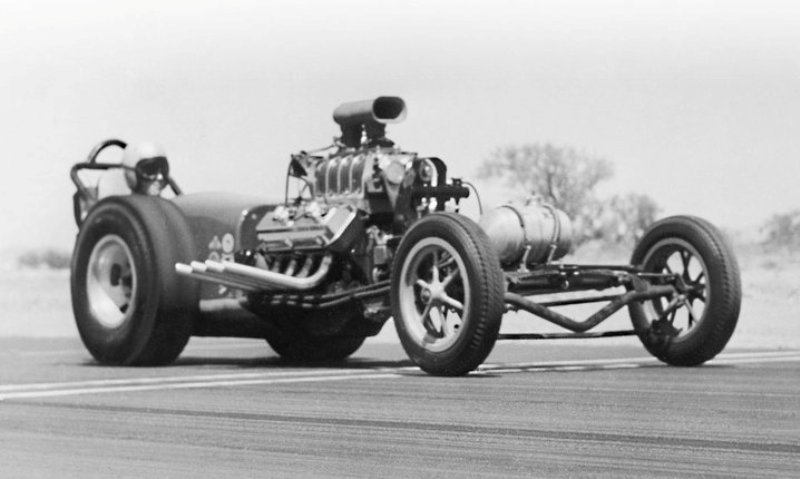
point(146, 168)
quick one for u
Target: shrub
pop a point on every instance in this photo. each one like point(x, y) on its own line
point(782, 230)
point(50, 258)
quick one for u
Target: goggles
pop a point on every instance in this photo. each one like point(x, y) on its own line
point(150, 168)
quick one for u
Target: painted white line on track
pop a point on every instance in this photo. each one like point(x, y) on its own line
point(566, 363)
point(190, 349)
point(191, 385)
point(643, 360)
point(50, 352)
point(171, 379)
point(750, 354)
point(620, 366)
point(774, 359)
point(504, 370)
point(55, 389)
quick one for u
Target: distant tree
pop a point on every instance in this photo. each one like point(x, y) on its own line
point(634, 213)
point(568, 179)
point(56, 259)
point(29, 259)
point(562, 175)
point(783, 230)
point(48, 258)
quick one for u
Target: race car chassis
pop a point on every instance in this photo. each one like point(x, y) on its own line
point(561, 278)
point(548, 279)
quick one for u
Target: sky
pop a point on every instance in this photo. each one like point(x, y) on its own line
point(696, 103)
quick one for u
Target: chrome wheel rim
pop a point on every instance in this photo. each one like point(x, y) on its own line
point(111, 282)
point(686, 309)
point(434, 294)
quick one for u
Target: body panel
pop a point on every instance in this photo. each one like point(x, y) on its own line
point(222, 223)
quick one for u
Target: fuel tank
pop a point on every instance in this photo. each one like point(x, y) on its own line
point(531, 231)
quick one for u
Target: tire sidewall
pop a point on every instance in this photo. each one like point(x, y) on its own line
point(117, 344)
point(712, 332)
point(454, 234)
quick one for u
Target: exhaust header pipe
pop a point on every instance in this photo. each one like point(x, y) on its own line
point(200, 271)
point(371, 116)
point(250, 278)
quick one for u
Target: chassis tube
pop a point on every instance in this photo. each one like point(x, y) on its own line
point(520, 302)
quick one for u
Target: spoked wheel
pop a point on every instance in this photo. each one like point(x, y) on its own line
point(433, 293)
point(693, 325)
point(685, 311)
point(447, 294)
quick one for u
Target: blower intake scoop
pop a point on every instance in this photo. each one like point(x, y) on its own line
point(370, 117)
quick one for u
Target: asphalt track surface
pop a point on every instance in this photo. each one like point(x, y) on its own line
point(230, 408)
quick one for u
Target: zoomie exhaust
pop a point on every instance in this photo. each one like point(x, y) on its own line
point(250, 278)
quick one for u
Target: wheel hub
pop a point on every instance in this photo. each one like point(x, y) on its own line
point(434, 293)
point(111, 281)
point(425, 295)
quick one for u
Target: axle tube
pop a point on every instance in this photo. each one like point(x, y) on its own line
point(520, 302)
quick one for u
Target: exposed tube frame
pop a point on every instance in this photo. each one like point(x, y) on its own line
point(520, 302)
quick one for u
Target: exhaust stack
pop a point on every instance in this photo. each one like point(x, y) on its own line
point(252, 279)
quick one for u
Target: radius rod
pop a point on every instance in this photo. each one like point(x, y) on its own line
point(518, 301)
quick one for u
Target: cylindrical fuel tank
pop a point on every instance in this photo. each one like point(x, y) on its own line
point(534, 225)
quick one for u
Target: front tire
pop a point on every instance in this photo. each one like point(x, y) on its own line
point(447, 294)
point(130, 306)
point(694, 325)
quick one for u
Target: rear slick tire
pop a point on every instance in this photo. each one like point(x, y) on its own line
point(698, 321)
point(447, 294)
point(130, 306)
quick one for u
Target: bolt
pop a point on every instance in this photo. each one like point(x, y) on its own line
point(425, 294)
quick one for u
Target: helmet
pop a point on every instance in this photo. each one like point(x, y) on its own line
point(146, 168)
